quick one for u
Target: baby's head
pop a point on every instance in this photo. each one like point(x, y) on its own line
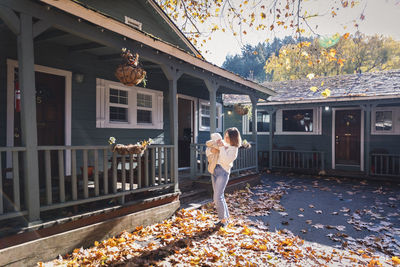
point(216, 136)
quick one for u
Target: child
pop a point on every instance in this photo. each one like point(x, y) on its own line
point(216, 143)
point(226, 156)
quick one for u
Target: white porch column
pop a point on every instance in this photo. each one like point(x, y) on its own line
point(254, 101)
point(271, 113)
point(212, 89)
point(28, 116)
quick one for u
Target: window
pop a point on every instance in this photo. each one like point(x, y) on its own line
point(385, 120)
point(263, 123)
point(299, 121)
point(144, 108)
point(134, 23)
point(119, 106)
point(205, 116)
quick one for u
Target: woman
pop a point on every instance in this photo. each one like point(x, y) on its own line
point(227, 155)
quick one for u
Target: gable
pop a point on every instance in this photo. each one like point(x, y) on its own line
point(145, 13)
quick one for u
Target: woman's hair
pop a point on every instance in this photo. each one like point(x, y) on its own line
point(234, 136)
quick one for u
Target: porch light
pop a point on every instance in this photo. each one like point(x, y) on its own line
point(229, 112)
point(327, 108)
point(79, 77)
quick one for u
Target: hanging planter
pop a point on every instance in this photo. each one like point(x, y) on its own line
point(240, 109)
point(129, 73)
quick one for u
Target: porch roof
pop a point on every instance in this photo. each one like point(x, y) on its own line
point(113, 25)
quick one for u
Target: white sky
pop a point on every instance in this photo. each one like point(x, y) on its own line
point(381, 17)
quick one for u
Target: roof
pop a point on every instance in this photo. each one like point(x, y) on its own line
point(93, 16)
point(343, 87)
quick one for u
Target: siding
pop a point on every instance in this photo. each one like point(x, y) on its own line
point(141, 11)
point(323, 142)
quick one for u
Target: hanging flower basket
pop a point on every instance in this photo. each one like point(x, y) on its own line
point(129, 73)
point(137, 148)
point(240, 109)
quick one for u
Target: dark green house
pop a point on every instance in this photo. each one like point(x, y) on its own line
point(60, 102)
point(354, 131)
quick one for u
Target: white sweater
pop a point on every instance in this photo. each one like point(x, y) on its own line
point(227, 156)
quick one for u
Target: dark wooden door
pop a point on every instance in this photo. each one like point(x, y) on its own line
point(348, 137)
point(185, 131)
point(50, 118)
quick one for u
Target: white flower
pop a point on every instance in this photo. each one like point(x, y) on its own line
point(111, 140)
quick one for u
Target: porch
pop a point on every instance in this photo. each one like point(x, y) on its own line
point(44, 179)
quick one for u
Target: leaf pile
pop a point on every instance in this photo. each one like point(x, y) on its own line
point(191, 238)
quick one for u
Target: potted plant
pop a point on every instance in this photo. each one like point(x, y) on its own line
point(129, 73)
point(137, 148)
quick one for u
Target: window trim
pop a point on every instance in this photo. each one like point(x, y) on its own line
point(395, 121)
point(103, 106)
point(317, 115)
point(133, 23)
point(219, 115)
point(246, 124)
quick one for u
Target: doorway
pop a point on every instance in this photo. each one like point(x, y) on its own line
point(50, 117)
point(186, 129)
point(348, 138)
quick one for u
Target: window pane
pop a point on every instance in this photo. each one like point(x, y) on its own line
point(205, 121)
point(205, 110)
point(383, 121)
point(144, 116)
point(144, 100)
point(297, 120)
point(262, 121)
point(118, 114)
point(118, 96)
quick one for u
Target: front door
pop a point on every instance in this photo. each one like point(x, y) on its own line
point(185, 130)
point(50, 117)
point(348, 137)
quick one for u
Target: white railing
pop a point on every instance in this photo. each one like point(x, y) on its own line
point(246, 160)
point(385, 164)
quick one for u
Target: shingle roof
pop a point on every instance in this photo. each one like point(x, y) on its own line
point(383, 83)
point(370, 84)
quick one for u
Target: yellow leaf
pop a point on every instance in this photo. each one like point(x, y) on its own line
point(313, 88)
point(326, 93)
point(322, 83)
point(310, 76)
point(396, 260)
point(346, 35)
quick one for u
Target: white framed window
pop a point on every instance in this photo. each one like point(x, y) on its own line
point(204, 116)
point(299, 121)
point(263, 123)
point(385, 120)
point(120, 106)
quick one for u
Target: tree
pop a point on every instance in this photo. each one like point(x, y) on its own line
point(250, 63)
point(199, 19)
point(351, 54)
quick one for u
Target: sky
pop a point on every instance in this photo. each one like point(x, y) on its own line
point(381, 17)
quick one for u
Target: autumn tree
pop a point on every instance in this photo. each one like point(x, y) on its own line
point(250, 62)
point(200, 19)
point(350, 54)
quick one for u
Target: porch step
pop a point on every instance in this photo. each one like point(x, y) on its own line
point(192, 195)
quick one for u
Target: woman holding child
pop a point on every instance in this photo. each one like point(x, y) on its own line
point(224, 153)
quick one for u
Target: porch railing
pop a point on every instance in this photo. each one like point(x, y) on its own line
point(246, 160)
point(298, 159)
point(11, 192)
point(293, 159)
point(385, 164)
point(96, 174)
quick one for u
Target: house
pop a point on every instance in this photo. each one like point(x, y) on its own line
point(60, 103)
point(354, 131)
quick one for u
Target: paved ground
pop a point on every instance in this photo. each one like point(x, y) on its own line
point(345, 213)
